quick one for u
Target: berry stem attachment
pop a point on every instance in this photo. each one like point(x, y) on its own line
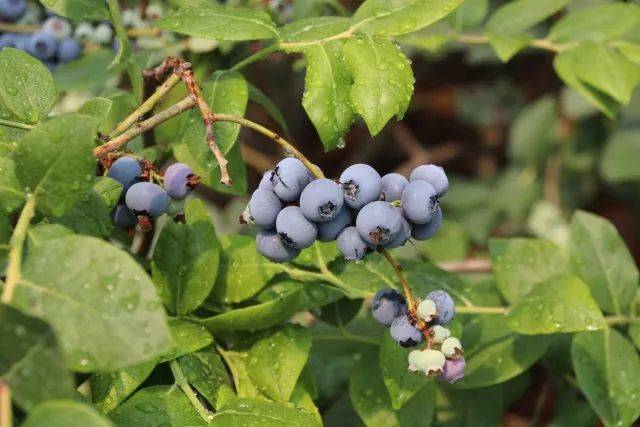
point(181, 382)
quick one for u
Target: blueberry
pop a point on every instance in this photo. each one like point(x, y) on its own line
point(429, 362)
point(102, 34)
point(294, 229)
point(42, 45)
point(419, 202)
point(453, 370)
point(361, 184)
point(122, 216)
point(147, 198)
point(434, 175)
point(393, 185)
point(125, 170)
point(451, 348)
point(426, 231)
point(404, 333)
point(387, 305)
point(351, 245)
point(402, 237)
point(289, 178)
point(321, 200)
point(265, 182)
point(12, 10)
point(439, 334)
point(427, 310)
point(329, 231)
point(59, 27)
point(68, 50)
point(83, 32)
point(179, 180)
point(9, 40)
point(379, 222)
point(444, 306)
point(264, 208)
point(270, 245)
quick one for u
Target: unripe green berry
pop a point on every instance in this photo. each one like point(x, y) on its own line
point(439, 334)
point(451, 348)
point(427, 310)
point(429, 362)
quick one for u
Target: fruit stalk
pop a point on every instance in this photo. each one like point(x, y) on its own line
point(181, 382)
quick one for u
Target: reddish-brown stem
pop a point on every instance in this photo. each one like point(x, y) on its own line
point(6, 418)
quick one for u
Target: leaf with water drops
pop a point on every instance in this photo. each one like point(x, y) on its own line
point(311, 29)
point(383, 80)
point(54, 162)
point(218, 22)
point(275, 362)
point(601, 259)
point(392, 18)
point(185, 260)
point(41, 233)
point(302, 397)
point(31, 362)
point(109, 389)
point(314, 295)
point(98, 108)
point(326, 95)
point(187, 338)
point(363, 279)
point(250, 412)
point(318, 255)
point(561, 304)
point(66, 413)
point(236, 361)
point(205, 371)
point(598, 22)
point(26, 85)
point(401, 383)
point(608, 372)
point(81, 280)
point(11, 192)
point(520, 15)
point(84, 10)
point(156, 406)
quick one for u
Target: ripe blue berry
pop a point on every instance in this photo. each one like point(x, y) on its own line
point(42, 45)
point(419, 202)
point(265, 182)
point(379, 222)
point(12, 10)
point(426, 231)
point(434, 175)
point(329, 231)
point(351, 245)
point(393, 185)
point(271, 246)
point(404, 333)
point(445, 307)
point(125, 170)
point(453, 370)
point(179, 180)
point(387, 305)
point(68, 50)
point(289, 178)
point(361, 184)
point(147, 198)
point(321, 200)
point(264, 208)
point(122, 216)
point(9, 40)
point(402, 237)
point(294, 229)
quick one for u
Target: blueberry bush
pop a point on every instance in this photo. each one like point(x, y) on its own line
point(360, 297)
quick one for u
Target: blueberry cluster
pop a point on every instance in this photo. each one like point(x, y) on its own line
point(362, 211)
point(142, 199)
point(443, 356)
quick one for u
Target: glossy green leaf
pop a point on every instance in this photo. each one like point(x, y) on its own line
point(634, 334)
point(41, 233)
point(5, 236)
point(326, 97)
point(250, 412)
point(99, 109)
point(301, 397)
point(313, 295)
point(600, 258)
point(532, 131)
point(311, 29)
point(383, 80)
point(79, 280)
point(217, 22)
point(517, 16)
point(257, 96)
point(598, 23)
point(275, 362)
point(187, 338)
point(401, 383)
point(11, 192)
point(341, 312)
point(608, 372)
point(54, 162)
point(84, 10)
point(65, 413)
point(90, 71)
point(507, 46)
point(236, 361)
point(519, 264)
point(109, 389)
point(618, 161)
point(205, 371)
point(31, 362)
point(469, 14)
point(363, 279)
point(26, 85)
point(185, 260)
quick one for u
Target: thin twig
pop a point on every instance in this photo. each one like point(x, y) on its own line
point(181, 382)
point(467, 266)
point(258, 56)
point(16, 125)
point(6, 416)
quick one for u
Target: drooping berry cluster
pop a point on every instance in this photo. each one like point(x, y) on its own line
point(142, 198)
point(443, 357)
point(362, 211)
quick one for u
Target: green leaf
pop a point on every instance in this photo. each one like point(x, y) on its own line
point(211, 21)
point(630, 50)
point(90, 71)
point(401, 383)
point(313, 294)
point(65, 413)
point(185, 260)
point(256, 412)
point(507, 46)
point(5, 236)
point(326, 96)
point(341, 312)
point(83, 10)
point(314, 28)
point(41, 233)
point(302, 398)
point(275, 362)
point(98, 108)
point(31, 362)
point(517, 16)
point(495, 354)
point(608, 372)
point(54, 162)
point(618, 161)
point(383, 81)
point(11, 192)
point(634, 333)
point(26, 86)
point(243, 271)
point(519, 264)
point(558, 305)
point(598, 256)
point(153, 406)
point(598, 23)
point(392, 18)
point(205, 371)
point(272, 109)
point(237, 363)
point(363, 279)
point(531, 134)
point(109, 389)
point(237, 172)
point(109, 190)
point(81, 280)
point(187, 338)
point(469, 14)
